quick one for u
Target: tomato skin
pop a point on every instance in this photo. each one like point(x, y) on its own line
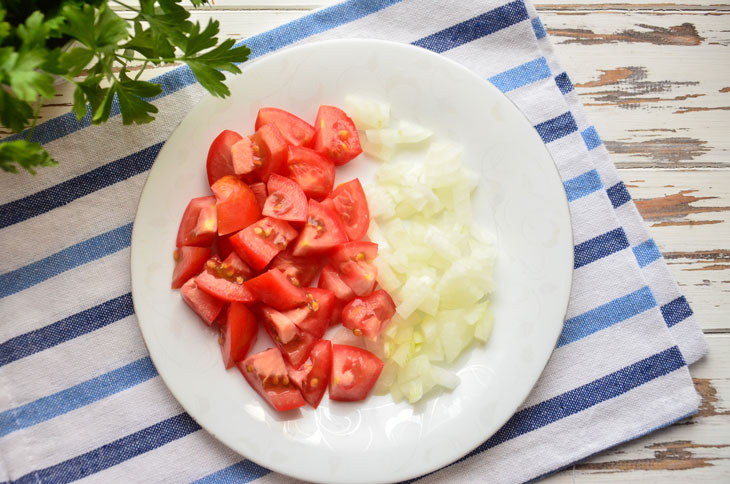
point(258, 243)
point(294, 343)
point(314, 375)
point(224, 246)
point(259, 191)
point(295, 131)
point(300, 271)
point(204, 305)
point(352, 206)
point(266, 372)
point(220, 159)
point(274, 289)
point(353, 260)
point(189, 261)
point(323, 232)
point(237, 334)
point(330, 279)
point(336, 136)
point(354, 373)
point(236, 203)
point(199, 223)
point(286, 200)
point(370, 315)
point(315, 316)
point(223, 282)
point(314, 173)
point(262, 153)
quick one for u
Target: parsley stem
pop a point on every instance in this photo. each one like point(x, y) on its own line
point(128, 7)
point(139, 73)
point(39, 105)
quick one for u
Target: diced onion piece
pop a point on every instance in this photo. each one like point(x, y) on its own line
point(380, 203)
point(444, 377)
point(483, 327)
point(387, 278)
point(413, 390)
point(405, 133)
point(377, 151)
point(366, 113)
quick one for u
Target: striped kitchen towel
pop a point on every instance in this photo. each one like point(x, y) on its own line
point(81, 399)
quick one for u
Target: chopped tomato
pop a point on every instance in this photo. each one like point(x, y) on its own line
point(236, 203)
point(199, 223)
point(314, 173)
point(336, 135)
point(295, 130)
point(354, 372)
point(188, 262)
point(224, 281)
point(352, 207)
point(300, 271)
point(224, 246)
point(274, 289)
point(264, 153)
point(294, 343)
point(286, 200)
point(259, 190)
point(220, 160)
point(258, 243)
point(205, 305)
point(267, 374)
point(330, 279)
point(314, 375)
point(323, 231)
point(315, 316)
point(370, 315)
point(237, 334)
point(354, 262)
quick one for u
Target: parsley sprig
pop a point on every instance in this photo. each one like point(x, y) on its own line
point(74, 38)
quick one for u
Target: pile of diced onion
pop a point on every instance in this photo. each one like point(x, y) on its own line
point(435, 263)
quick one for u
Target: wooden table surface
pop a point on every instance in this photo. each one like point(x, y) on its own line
point(655, 79)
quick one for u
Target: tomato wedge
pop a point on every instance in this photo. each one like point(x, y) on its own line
point(224, 280)
point(354, 373)
point(336, 136)
point(264, 153)
point(314, 375)
point(267, 374)
point(300, 271)
point(294, 343)
point(220, 160)
point(354, 262)
point(259, 191)
point(295, 130)
point(258, 243)
point(236, 203)
point(204, 305)
point(224, 246)
point(352, 206)
point(314, 173)
point(330, 279)
point(237, 334)
point(314, 318)
point(188, 262)
point(286, 200)
point(323, 231)
point(199, 223)
point(370, 315)
point(274, 289)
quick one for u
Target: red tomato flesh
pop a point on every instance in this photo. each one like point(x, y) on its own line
point(370, 315)
point(336, 136)
point(314, 375)
point(323, 231)
point(286, 200)
point(223, 281)
point(199, 223)
point(300, 271)
point(330, 279)
point(315, 316)
point(188, 262)
point(354, 373)
point(274, 289)
point(295, 130)
point(236, 203)
point(314, 173)
point(237, 334)
point(257, 244)
point(353, 260)
point(264, 153)
point(220, 159)
point(352, 206)
point(267, 374)
point(294, 343)
point(259, 191)
point(204, 305)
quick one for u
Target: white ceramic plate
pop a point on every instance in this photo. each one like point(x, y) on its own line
point(520, 199)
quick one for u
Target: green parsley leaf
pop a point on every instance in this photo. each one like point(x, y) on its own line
point(23, 154)
point(14, 113)
point(133, 107)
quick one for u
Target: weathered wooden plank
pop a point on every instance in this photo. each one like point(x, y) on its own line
point(696, 449)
